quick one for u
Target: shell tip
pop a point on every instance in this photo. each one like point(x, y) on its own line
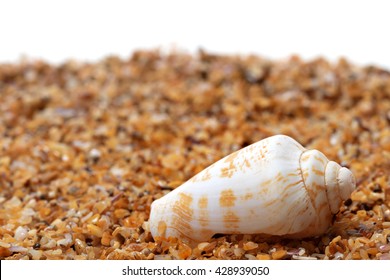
point(347, 182)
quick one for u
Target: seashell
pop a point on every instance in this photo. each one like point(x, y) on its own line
point(272, 187)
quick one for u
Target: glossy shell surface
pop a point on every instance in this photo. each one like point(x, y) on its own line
point(273, 187)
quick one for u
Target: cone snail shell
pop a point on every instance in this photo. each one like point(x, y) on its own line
point(273, 187)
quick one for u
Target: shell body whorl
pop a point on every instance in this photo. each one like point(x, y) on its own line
point(274, 187)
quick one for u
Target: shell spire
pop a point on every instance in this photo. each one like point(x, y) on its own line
point(340, 183)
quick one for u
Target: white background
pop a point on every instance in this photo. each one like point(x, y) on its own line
point(104, 270)
point(90, 30)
